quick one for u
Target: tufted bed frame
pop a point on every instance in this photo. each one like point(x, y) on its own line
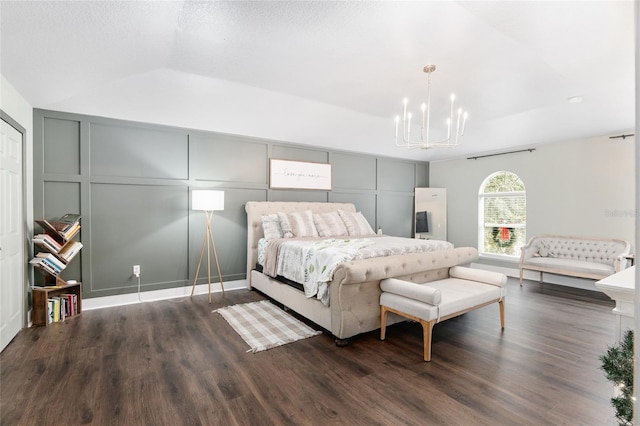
point(355, 289)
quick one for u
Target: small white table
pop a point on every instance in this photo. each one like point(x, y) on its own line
point(621, 287)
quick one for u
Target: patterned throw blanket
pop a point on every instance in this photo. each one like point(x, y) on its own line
point(312, 261)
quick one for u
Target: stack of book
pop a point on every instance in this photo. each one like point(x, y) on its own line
point(59, 308)
point(57, 245)
point(64, 228)
point(48, 242)
point(70, 250)
point(48, 262)
point(67, 226)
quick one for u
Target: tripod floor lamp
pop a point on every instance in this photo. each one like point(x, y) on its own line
point(207, 201)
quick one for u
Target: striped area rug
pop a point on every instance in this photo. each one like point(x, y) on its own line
point(264, 326)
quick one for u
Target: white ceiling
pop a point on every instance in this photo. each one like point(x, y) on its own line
point(512, 65)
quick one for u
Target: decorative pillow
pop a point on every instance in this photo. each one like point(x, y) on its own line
point(287, 232)
point(271, 227)
point(330, 224)
point(302, 224)
point(543, 250)
point(356, 223)
point(262, 247)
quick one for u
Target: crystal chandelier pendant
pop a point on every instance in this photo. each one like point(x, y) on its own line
point(454, 135)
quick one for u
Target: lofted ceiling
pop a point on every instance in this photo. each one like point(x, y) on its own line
point(512, 65)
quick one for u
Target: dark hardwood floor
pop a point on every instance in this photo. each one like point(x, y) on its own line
point(177, 363)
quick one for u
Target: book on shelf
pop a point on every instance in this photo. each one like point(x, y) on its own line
point(51, 259)
point(50, 311)
point(56, 309)
point(70, 250)
point(48, 228)
point(67, 308)
point(48, 242)
point(66, 222)
point(44, 265)
point(71, 232)
point(49, 266)
point(61, 307)
point(72, 303)
point(66, 227)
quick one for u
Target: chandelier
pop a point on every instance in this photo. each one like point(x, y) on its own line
point(454, 136)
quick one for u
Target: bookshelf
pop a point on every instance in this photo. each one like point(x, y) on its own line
point(56, 246)
point(55, 249)
point(45, 299)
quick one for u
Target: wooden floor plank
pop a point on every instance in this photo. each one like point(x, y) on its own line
point(179, 363)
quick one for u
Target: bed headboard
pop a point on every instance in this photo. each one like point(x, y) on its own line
point(256, 209)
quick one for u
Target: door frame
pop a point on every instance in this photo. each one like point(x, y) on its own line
point(27, 273)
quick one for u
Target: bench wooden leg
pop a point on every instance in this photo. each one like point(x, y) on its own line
point(521, 276)
point(383, 321)
point(540, 277)
point(427, 332)
point(427, 326)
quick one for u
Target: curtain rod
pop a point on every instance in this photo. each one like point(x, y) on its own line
point(621, 136)
point(500, 153)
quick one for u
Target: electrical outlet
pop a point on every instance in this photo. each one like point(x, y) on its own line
point(136, 270)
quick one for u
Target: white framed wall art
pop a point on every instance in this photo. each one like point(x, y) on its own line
point(286, 174)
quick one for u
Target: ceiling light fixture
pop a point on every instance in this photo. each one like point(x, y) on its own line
point(452, 139)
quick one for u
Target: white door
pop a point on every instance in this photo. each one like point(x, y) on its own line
point(11, 234)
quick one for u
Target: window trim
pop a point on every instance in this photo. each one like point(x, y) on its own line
point(481, 225)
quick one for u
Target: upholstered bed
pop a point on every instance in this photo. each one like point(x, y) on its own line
point(354, 292)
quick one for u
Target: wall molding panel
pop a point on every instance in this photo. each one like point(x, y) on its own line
point(131, 183)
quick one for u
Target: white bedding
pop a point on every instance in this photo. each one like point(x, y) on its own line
point(312, 262)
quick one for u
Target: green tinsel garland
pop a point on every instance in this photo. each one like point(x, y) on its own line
point(617, 363)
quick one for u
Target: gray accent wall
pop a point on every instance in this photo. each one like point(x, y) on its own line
point(131, 183)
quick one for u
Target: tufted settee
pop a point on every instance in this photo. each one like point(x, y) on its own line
point(574, 256)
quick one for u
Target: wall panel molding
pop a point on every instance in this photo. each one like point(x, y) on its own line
point(131, 183)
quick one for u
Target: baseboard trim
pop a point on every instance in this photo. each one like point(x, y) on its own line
point(152, 296)
point(177, 292)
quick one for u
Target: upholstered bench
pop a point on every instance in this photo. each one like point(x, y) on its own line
point(464, 290)
point(574, 256)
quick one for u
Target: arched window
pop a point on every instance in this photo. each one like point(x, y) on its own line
point(503, 215)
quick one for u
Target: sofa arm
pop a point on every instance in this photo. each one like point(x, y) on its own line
point(529, 250)
point(411, 290)
point(620, 262)
point(479, 275)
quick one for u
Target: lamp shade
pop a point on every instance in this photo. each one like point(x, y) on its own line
point(207, 200)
